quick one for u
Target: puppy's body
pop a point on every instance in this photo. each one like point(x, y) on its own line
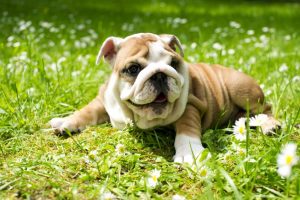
point(152, 86)
point(223, 94)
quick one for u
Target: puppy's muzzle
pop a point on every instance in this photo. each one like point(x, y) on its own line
point(160, 82)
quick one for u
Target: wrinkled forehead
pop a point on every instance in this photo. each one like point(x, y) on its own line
point(147, 47)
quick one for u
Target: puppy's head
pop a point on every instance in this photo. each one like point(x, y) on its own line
point(148, 76)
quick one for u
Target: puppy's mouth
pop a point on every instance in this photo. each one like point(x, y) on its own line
point(161, 99)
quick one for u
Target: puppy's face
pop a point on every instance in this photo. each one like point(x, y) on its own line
point(150, 79)
point(149, 75)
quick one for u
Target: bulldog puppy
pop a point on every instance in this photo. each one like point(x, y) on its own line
point(152, 86)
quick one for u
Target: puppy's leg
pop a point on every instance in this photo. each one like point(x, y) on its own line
point(188, 130)
point(246, 94)
point(91, 114)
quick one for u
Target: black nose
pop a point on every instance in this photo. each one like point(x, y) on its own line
point(160, 82)
point(159, 77)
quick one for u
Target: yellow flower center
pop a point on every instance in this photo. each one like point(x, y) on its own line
point(154, 178)
point(227, 157)
point(241, 130)
point(241, 152)
point(203, 172)
point(288, 159)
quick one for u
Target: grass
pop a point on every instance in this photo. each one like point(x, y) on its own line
point(48, 50)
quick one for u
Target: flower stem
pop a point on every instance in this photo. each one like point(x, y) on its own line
point(247, 136)
point(287, 186)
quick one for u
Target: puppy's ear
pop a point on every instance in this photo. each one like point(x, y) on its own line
point(173, 42)
point(109, 50)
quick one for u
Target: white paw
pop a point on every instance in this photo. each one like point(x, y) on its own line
point(187, 148)
point(62, 124)
point(270, 126)
point(187, 155)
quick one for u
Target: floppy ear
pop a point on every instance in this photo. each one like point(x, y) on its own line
point(173, 42)
point(109, 50)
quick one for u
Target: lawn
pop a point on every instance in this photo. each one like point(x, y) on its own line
point(47, 69)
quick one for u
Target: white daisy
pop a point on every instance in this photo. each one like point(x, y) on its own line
point(247, 40)
point(288, 155)
point(241, 151)
point(283, 67)
point(10, 38)
point(211, 55)
point(152, 181)
point(193, 45)
point(227, 157)
point(296, 78)
point(217, 46)
point(268, 92)
point(231, 51)
point(287, 37)
point(129, 122)
point(120, 149)
point(265, 29)
point(238, 149)
point(108, 196)
point(258, 120)
point(45, 24)
point(93, 154)
point(178, 197)
point(234, 24)
point(86, 159)
point(203, 172)
point(287, 159)
point(16, 44)
point(250, 32)
point(239, 129)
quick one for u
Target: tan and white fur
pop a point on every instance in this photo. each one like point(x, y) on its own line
point(152, 86)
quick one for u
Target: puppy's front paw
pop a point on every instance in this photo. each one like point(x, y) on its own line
point(270, 126)
point(188, 154)
point(61, 125)
point(187, 149)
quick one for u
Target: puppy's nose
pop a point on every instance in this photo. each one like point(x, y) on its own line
point(159, 77)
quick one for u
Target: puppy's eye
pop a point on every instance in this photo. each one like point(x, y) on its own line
point(175, 63)
point(133, 69)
